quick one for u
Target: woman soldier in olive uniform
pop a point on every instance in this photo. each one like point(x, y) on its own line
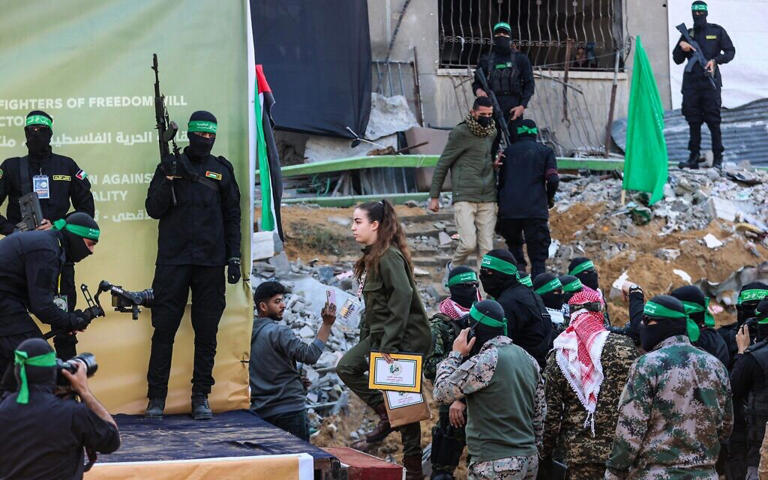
point(394, 319)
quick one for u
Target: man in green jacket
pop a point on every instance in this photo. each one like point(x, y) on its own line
point(468, 156)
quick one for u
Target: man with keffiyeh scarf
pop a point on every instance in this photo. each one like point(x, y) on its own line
point(585, 374)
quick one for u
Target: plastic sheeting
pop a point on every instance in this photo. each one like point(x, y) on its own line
point(745, 78)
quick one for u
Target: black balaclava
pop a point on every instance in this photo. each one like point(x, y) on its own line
point(692, 293)
point(462, 283)
point(38, 143)
point(761, 313)
point(498, 271)
point(571, 286)
point(749, 296)
point(700, 20)
point(200, 147)
point(671, 319)
point(485, 320)
point(74, 229)
point(38, 378)
point(584, 270)
point(546, 285)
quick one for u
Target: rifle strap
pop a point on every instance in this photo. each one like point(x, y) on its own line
point(206, 183)
point(24, 182)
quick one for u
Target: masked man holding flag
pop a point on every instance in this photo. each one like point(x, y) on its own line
point(198, 236)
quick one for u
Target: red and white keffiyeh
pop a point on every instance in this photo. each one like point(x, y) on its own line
point(453, 309)
point(578, 350)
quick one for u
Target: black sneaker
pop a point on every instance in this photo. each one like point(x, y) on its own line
point(200, 408)
point(155, 408)
point(717, 163)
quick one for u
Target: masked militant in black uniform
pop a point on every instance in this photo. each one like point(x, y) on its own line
point(702, 83)
point(198, 236)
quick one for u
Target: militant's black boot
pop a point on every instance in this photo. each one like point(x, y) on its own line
point(692, 163)
point(155, 408)
point(200, 408)
point(717, 162)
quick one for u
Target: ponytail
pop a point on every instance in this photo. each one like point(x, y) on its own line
point(390, 232)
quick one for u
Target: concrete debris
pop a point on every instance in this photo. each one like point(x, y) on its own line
point(668, 254)
point(727, 291)
point(711, 241)
point(684, 275)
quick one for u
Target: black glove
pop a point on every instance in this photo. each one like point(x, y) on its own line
point(233, 270)
point(551, 202)
point(79, 321)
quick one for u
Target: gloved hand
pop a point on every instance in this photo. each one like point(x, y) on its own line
point(79, 321)
point(93, 312)
point(233, 270)
point(551, 202)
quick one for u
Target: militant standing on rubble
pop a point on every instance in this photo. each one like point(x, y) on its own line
point(702, 83)
point(448, 438)
point(701, 323)
point(676, 407)
point(504, 393)
point(585, 373)
point(394, 319)
point(527, 318)
point(528, 182)
point(749, 380)
point(509, 75)
point(473, 180)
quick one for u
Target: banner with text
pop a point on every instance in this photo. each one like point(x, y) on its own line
point(87, 64)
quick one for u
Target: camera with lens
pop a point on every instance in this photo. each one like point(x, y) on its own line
point(126, 301)
point(73, 364)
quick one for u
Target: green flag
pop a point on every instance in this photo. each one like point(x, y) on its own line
point(645, 163)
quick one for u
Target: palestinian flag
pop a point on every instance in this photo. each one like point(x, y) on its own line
point(266, 153)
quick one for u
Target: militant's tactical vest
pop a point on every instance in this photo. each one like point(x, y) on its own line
point(504, 77)
point(756, 410)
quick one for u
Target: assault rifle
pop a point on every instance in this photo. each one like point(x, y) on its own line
point(166, 132)
point(31, 213)
point(698, 56)
point(497, 113)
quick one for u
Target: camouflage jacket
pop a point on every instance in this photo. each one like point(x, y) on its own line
point(566, 416)
point(444, 331)
point(674, 412)
point(456, 379)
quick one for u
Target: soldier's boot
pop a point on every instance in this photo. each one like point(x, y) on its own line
point(200, 408)
point(717, 162)
point(412, 464)
point(692, 163)
point(155, 408)
point(378, 434)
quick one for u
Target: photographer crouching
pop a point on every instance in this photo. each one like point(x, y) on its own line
point(43, 435)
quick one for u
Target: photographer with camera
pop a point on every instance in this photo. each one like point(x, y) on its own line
point(30, 271)
point(43, 435)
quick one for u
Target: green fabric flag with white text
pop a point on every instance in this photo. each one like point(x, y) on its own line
point(646, 162)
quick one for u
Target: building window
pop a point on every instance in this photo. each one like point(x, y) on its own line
point(585, 34)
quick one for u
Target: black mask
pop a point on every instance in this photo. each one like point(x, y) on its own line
point(762, 332)
point(38, 142)
point(745, 311)
point(74, 247)
point(652, 335)
point(483, 333)
point(502, 45)
point(553, 300)
point(199, 146)
point(494, 283)
point(699, 21)
point(465, 294)
point(589, 278)
point(484, 122)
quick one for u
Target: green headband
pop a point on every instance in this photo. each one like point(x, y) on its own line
point(525, 281)
point(486, 320)
point(574, 286)
point(524, 130)
point(549, 287)
point(693, 330)
point(582, 267)
point(202, 126)
point(79, 230)
point(751, 295)
point(463, 277)
point(39, 120)
point(504, 25)
point(761, 321)
point(499, 265)
point(22, 359)
point(693, 307)
point(655, 310)
point(699, 7)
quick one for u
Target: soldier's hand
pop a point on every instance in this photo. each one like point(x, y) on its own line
point(710, 66)
point(480, 93)
point(742, 338)
point(434, 204)
point(44, 225)
point(80, 321)
point(499, 160)
point(456, 414)
point(461, 345)
point(516, 112)
point(329, 313)
point(687, 47)
point(233, 270)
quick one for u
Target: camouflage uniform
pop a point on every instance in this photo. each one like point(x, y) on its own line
point(675, 411)
point(456, 379)
point(585, 453)
point(444, 331)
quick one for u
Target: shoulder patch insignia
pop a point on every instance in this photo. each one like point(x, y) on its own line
point(1, 173)
point(711, 37)
point(62, 178)
point(212, 175)
point(81, 175)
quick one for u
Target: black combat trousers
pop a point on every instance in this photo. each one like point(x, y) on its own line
point(534, 232)
point(701, 104)
point(171, 286)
